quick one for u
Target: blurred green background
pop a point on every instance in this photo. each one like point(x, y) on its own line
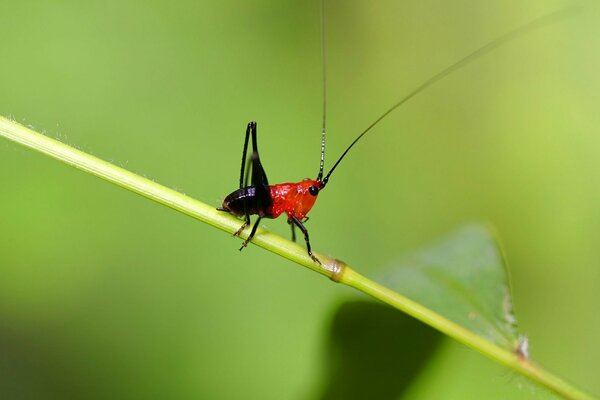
point(105, 294)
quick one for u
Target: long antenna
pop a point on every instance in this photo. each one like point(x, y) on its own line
point(499, 41)
point(324, 83)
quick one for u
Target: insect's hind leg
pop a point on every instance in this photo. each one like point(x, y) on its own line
point(249, 127)
point(300, 225)
point(249, 238)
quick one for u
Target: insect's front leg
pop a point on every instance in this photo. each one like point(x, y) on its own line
point(293, 225)
point(300, 225)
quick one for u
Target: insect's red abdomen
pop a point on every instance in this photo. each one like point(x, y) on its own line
point(293, 198)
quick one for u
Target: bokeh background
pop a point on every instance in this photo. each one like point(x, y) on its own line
point(105, 294)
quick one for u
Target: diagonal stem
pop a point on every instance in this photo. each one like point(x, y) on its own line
point(334, 269)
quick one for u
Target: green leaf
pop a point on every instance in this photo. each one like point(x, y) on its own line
point(462, 277)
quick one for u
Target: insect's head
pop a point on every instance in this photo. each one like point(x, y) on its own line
point(304, 197)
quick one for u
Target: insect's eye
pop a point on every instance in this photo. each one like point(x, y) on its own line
point(313, 190)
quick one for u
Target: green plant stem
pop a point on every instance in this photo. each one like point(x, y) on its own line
point(511, 359)
point(334, 269)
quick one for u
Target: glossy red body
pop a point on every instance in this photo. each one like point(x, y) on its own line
point(292, 198)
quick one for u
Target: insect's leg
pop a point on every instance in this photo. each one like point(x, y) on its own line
point(293, 230)
point(248, 130)
point(251, 125)
point(305, 232)
point(244, 225)
point(248, 168)
point(244, 168)
point(262, 192)
point(259, 176)
point(251, 233)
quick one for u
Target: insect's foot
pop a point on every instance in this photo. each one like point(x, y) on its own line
point(315, 259)
point(244, 245)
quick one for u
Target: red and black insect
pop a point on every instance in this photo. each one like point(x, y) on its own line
point(270, 201)
point(296, 199)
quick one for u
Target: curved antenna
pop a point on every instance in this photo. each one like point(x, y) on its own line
point(483, 50)
point(324, 83)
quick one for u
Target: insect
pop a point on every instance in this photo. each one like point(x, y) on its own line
point(296, 199)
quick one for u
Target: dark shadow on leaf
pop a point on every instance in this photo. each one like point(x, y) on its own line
point(375, 352)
